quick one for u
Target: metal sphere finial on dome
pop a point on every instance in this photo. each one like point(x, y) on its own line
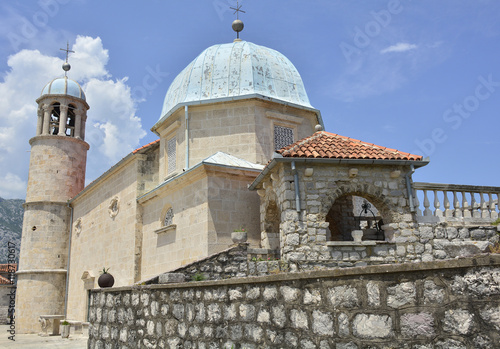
point(237, 23)
point(66, 66)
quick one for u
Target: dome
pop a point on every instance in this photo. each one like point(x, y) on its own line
point(236, 69)
point(63, 86)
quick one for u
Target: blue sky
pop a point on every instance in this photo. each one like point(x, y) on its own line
point(418, 76)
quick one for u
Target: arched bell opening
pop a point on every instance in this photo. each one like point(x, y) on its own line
point(55, 117)
point(352, 212)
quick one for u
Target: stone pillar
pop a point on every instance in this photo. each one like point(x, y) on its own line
point(78, 123)
point(62, 120)
point(47, 109)
point(39, 123)
point(82, 131)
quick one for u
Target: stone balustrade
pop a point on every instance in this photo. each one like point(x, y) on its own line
point(456, 202)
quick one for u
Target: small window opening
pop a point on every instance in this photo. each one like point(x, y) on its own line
point(283, 136)
point(171, 155)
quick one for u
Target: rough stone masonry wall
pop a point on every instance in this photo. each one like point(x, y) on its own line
point(440, 304)
point(235, 262)
point(304, 236)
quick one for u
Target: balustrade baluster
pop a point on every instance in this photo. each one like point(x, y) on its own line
point(474, 206)
point(416, 203)
point(437, 204)
point(446, 204)
point(427, 204)
point(485, 213)
point(465, 206)
point(493, 211)
point(457, 212)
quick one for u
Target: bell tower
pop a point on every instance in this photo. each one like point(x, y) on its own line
point(56, 174)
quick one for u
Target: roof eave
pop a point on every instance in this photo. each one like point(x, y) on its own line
point(279, 158)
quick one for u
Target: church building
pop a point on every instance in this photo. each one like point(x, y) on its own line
point(239, 146)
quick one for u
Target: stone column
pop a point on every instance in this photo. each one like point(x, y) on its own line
point(47, 109)
point(39, 124)
point(78, 122)
point(62, 120)
point(82, 131)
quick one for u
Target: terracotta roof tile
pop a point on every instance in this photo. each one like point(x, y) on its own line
point(326, 145)
point(145, 146)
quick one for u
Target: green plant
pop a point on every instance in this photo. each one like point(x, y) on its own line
point(64, 323)
point(104, 271)
point(497, 222)
point(198, 277)
point(239, 229)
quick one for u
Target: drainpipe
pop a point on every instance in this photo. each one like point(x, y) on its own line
point(408, 188)
point(69, 259)
point(186, 115)
point(297, 191)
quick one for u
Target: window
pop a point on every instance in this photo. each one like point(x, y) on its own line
point(171, 155)
point(283, 136)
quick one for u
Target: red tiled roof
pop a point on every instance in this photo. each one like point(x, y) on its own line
point(326, 145)
point(145, 146)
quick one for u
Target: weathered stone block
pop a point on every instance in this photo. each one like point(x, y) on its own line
point(299, 319)
point(491, 315)
point(278, 315)
point(417, 325)
point(466, 248)
point(322, 323)
point(400, 295)
point(371, 326)
point(343, 297)
point(373, 292)
point(458, 321)
point(312, 296)
point(433, 294)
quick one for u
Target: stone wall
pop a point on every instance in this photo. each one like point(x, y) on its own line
point(409, 243)
point(235, 262)
point(309, 239)
point(440, 304)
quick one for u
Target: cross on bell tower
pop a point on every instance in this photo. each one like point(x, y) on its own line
point(66, 66)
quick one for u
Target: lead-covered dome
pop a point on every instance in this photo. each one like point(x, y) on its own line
point(63, 86)
point(236, 69)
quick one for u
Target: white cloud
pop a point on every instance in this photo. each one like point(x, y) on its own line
point(12, 186)
point(399, 47)
point(113, 129)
